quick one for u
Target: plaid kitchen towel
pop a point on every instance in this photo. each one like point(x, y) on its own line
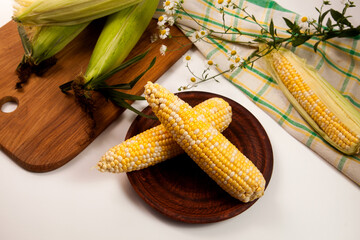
point(337, 61)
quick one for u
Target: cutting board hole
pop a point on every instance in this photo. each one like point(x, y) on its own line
point(8, 104)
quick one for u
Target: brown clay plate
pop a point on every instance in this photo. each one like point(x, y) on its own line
point(179, 189)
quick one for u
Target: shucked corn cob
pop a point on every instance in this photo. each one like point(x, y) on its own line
point(319, 103)
point(66, 12)
point(213, 152)
point(156, 144)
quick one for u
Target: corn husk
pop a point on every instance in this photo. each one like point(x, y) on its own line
point(66, 12)
point(326, 110)
point(41, 44)
point(120, 34)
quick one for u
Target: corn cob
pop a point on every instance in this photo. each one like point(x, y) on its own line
point(66, 12)
point(211, 150)
point(156, 145)
point(319, 103)
point(42, 43)
point(121, 32)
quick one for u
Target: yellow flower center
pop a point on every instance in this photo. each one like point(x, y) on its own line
point(304, 19)
point(210, 62)
point(193, 79)
point(161, 18)
point(202, 32)
point(187, 58)
point(167, 3)
point(163, 32)
point(233, 52)
point(220, 1)
point(237, 59)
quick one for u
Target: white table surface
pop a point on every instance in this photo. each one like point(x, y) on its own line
point(306, 199)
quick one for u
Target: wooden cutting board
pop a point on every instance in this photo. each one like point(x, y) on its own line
point(48, 128)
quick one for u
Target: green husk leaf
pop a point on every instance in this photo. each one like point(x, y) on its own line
point(118, 99)
point(40, 45)
point(131, 84)
point(27, 46)
point(333, 99)
point(98, 82)
point(119, 36)
point(66, 12)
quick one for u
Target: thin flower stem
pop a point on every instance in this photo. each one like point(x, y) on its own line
point(337, 25)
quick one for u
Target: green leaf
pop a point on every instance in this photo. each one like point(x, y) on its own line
point(339, 18)
point(288, 23)
point(329, 23)
point(227, 29)
point(237, 30)
point(271, 28)
point(322, 16)
point(316, 45)
point(300, 40)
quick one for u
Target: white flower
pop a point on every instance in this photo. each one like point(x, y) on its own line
point(201, 34)
point(162, 20)
point(232, 67)
point(210, 64)
point(238, 61)
point(231, 3)
point(171, 21)
point(235, 62)
point(164, 33)
point(187, 58)
point(170, 6)
point(233, 53)
point(163, 49)
point(220, 4)
point(304, 19)
point(303, 22)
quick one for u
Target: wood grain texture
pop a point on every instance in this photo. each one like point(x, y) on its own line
point(48, 128)
point(179, 189)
